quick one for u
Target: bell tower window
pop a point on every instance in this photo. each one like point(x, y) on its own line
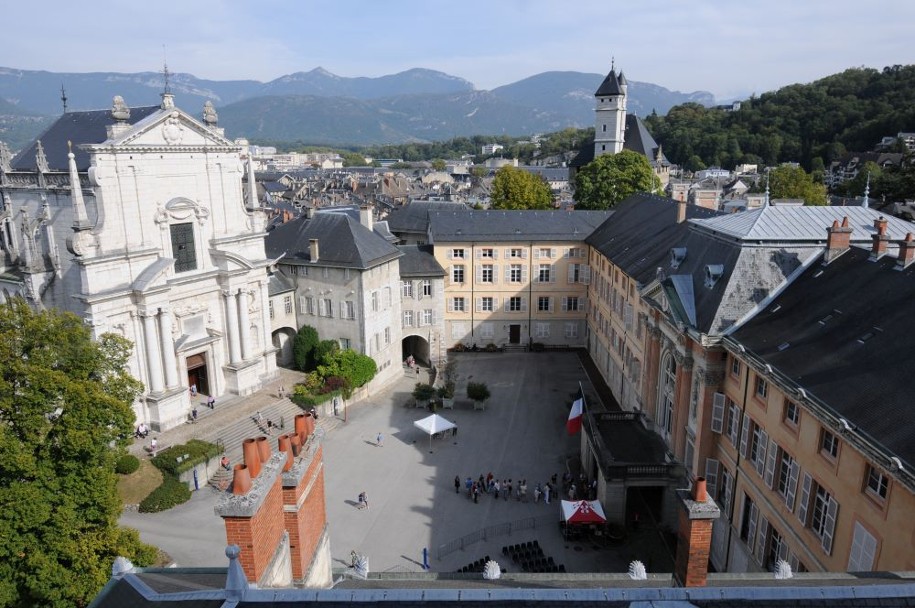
point(183, 249)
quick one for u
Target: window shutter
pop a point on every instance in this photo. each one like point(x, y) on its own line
point(449, 276)
point(586, 274)
point(552, 253)
point(711, 477)
point(495, 274)
point(524, 254)
point(735, 424)
point(805, 499)
point(770, 463)
point(321, 307)
point(552, 275)
point(478, 254)
point(550, 304)
point(417, 288)
point(728, 491)
point(571, 273)
point(762, 533)
point(343, 310)
point(505, 304)
point(508, 273)
point(450, 304)
point(479, 305)
point(761, 452)
point(495, 304)
point(302, 307)
point(524, 274)
point(829, 526)
point(536, 253)
point(523, 304)
point(495, 254)
point(751, 525)
point(745, 436)
point(479, 274)
point(718, 412)
point(565, 304)
point(568, 252)
point(791, 490)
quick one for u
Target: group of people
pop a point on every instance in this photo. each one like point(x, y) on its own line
point(508, 489)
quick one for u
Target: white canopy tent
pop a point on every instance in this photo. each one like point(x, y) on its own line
point(434, 424)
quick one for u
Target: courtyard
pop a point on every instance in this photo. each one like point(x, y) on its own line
point(409, 482)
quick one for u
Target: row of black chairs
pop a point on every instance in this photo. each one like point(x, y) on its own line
point(541, 564)
point(476, 566)
point(530, 546)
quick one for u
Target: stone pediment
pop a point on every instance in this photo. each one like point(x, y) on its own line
point(171, 128)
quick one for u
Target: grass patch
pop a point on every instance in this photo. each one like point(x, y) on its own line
point(135, 487)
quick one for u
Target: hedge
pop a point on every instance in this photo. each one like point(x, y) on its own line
point(171, 493)
point(306, 400)
point(127, 464)
point(197, 451)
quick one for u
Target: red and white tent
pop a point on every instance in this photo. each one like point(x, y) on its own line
point(582, 512)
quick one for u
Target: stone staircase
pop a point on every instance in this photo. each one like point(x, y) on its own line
point(281, 412)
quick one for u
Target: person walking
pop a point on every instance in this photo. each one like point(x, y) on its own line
point(379, 440)
point(508, 489)
point(476, 493)
point(363, 501)
point(537, 493)
point(194, 415)
point(468, 483)
point(547, 490)
point(153, 446)
point(496, 486)
point(457, 484)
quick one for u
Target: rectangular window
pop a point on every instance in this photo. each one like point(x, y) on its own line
point(514, 304)
point(287, 304)
point(487, 330)
point(271, 309)
point(408, 318)
point(735, 365)
point(457, 304)
point(542, 330)
point(344, 343)
point(574, 252)
point(374, 301)
point(544, 275)
point(570, 303)
point(571, 330)
point(349, 310)
point(545, 304)
point(792, 414)
point(544, 252)
point(427, 288)
point(428, 317)
point(486, 304)
point(291, 270)
point(878, 484)
point(486, 273)
point(514, 273)
point(829, 445)
point(406, 289)
point(387, 335)
point(183, 249)
point(516, 253)
point(818, 511)
point(457, 254)
point(487, 253)
point(762, 388)
point(457, 273)
point(328, 308)
point(309, 305)
point(863, 550)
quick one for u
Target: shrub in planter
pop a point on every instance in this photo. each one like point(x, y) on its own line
point(170, 494)
point(446, 391)
point(127, 464)
point(423, 392)
point(477, 391)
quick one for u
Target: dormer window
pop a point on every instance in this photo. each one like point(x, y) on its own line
point(677, 255)
point(713, 272)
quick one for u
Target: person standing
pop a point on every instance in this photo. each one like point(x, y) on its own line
point(508, 489)
point(457, 484)
point(379, 440)
point(496, 486)
point(363, 500)
point(547, 490)
point(153, 446)
point(537, 493)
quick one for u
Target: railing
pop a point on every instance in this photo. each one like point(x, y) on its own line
point(528, 523)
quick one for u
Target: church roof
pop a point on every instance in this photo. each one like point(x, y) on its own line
point(88, 127)
point(610, 85)
point(342, 242)
point(638, 139)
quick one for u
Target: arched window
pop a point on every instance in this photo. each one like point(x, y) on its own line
point(666, 393)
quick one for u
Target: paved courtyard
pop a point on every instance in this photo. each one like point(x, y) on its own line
point(410, 487)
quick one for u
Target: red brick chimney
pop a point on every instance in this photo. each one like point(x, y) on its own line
point(694, 535)
point(881, 239)
point(305, 517)
point(906, 252)
point(838, 239)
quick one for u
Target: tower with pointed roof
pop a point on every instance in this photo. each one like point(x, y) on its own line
point(610, 114)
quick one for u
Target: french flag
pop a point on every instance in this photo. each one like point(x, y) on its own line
point(573, 424)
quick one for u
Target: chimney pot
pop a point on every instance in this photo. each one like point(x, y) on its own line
point(906, 252)
point(251, 457)
point(700, 491)
point(241, 480)
point(263, 448)
point(845, 222)
point(838, 240)
point(285, 445)
point(880, 224)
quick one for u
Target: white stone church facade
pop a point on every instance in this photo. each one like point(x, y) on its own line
point(144, 230)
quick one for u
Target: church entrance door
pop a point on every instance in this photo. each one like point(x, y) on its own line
point(197, 373)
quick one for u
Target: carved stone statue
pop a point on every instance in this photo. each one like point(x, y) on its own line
point(210, 117)
point(6, 159)
point(119, 109)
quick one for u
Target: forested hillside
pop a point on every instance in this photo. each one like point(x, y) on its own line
point(808, 123)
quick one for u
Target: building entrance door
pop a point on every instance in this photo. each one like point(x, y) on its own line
point(514, 334)
point(197, 373)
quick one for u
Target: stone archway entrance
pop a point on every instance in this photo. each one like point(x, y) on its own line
point(197, 374)
point(418, 347)
point(282, 341)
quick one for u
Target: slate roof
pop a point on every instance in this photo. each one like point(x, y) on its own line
point(78, 127)
point(278, 284)
point(636, 138)
point(803, 223)
point(513, 226)
point(419, 261)
point(610, 85)
point(342, 242)
point(414, 217)
point(842, 333)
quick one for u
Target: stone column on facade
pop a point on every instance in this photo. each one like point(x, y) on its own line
point(244, 325)
point(153, 357)
point(168, 348)
point(232, 325)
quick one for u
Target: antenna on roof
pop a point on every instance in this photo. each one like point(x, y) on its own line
point(612, 63)
point(63, 96)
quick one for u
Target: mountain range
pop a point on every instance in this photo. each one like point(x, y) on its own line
point(318, 107)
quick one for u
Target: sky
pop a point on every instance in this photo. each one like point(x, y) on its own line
point(730, 48)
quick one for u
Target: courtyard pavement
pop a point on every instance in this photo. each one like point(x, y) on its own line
point(410, 487)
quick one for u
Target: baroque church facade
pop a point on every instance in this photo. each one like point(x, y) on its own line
point(136, 220)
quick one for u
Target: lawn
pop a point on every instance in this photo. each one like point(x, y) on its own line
point(135, 487)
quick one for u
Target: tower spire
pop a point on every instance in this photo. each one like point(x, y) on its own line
point(63, 96)
point(867, 190)
point(168, 100)
point(80, 219)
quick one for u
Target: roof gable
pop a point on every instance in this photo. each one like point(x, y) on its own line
point(342, 242)
point(172, 127)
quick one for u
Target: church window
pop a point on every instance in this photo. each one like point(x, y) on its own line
point(183, 247)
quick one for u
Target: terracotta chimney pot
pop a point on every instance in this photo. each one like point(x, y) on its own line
point(241, 480)
point(263, 448)
point(251, 457)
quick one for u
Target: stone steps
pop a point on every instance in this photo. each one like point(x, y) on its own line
point(281, 412)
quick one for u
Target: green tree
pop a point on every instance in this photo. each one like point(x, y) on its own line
point(438, 164)
point(357, 369)
point(303, 348)
point(353, 159)
point(514, 188)
point(479, 171)
point(610, 178)
point(65, 404)
point(787, 181)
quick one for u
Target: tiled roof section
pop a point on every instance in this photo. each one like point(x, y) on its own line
point(278, 284)
point(414, 218)
point(840, 332)
point(78, 127)
point(342, 242)
point(513, 226)
point(638, 139)
point(585, 155)
point(419, 261)
point(610, 86)
point(801, 223)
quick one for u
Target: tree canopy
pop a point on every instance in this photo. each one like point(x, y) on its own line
point(788, 181)
point(610, 178)
point(514, 188)
point(65, 403)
